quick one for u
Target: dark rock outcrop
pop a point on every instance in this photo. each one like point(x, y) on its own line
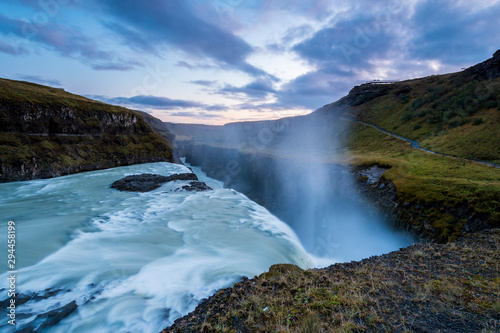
point(487, 70)
point(365, 93)
point(148, 182)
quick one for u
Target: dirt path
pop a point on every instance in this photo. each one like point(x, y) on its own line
point(415, 144)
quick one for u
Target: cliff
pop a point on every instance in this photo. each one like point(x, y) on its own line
point(46, 132)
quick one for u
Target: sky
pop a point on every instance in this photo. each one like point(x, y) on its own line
point(220, 61)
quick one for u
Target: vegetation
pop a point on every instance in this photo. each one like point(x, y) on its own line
point(423, 288)
point(431, 287)
point(47, 132)
point(434, 182)
point(452, 114)
point(21, 92)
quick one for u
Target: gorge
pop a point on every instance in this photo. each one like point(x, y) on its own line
point(191, 261)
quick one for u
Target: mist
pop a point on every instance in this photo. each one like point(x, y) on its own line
point(310, 186)
point(321, 201)
point(297, 168)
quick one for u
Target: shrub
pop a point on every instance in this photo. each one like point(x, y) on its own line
point(423, 113)
point(416, 104)
point(455, 123)
point(490, 104)
point(404, 99)
point(417, 126)
point(477, 121)
point(407, 116)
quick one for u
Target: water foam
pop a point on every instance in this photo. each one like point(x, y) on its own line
point(134, 261)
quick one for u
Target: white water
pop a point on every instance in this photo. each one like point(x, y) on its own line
point(133, 262)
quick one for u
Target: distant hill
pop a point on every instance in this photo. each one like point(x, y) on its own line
point(47, 132)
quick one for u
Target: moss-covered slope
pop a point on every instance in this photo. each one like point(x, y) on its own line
point(46, 132)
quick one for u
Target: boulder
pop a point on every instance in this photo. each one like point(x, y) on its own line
point(147, 182)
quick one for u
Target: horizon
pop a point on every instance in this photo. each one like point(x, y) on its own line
point(224, 61)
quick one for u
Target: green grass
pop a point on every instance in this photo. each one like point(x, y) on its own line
point(78, 134)
point(436, 182)
point(20, 92)
point(452, 114)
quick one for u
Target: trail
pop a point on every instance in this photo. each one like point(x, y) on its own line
point(415, 144)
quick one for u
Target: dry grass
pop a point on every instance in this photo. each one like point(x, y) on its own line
point(431, 286)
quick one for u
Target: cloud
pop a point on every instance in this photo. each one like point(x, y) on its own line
point(205, 83)
point(172, 25)
point(216, 108)
point(114, 67)
point(63, 39)
point(40, 80)
point(157, 102)
point(259, 88)
point(351, 42)
point(454, 33)
point(189, 114)
point(313, 90)
point(343, 54)
point(318, 10)
point(11, 49)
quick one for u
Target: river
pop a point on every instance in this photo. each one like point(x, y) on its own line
point(131, 262)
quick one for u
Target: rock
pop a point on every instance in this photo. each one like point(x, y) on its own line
point(148, 182)
point(365, 93)
point(50, 318)
point(197, 186)
point(487, 70)
point(139, 183)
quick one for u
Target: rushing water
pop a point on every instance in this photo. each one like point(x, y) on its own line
point(133, 262)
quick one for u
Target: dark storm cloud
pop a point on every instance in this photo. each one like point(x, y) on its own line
point(174, 24)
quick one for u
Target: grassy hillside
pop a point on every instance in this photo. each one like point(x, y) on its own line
point(450, 195)
point(47, 132)
point(454, 114)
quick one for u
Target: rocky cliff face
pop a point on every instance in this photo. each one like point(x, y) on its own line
point(44, 134)
point(44, 120)
point(487, 70)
